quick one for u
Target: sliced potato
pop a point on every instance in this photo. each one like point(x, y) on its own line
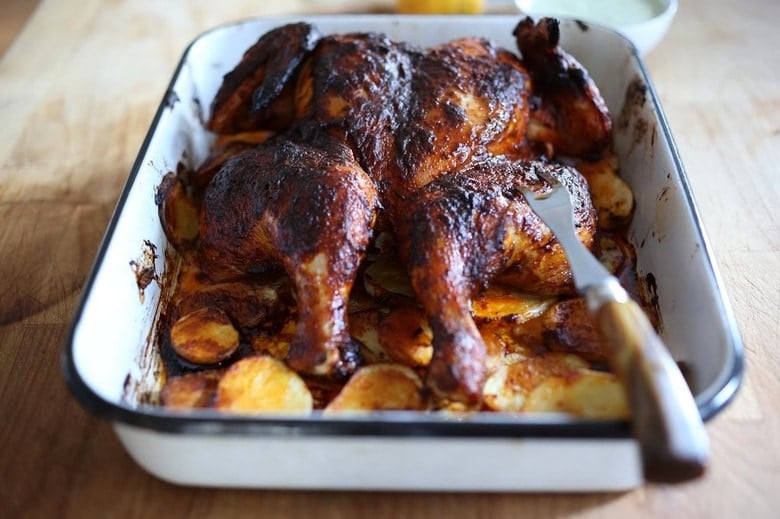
point(612, 197)
point(189, 391)
point(248, 305)
point(262, 384)
point(406, 336)
point(502, 347)
point(591, 394)
point(455, 408)
point(363, 326)
point(499, 394)
point(177, 211)
point(614, 255)
point(275, 344)
point(498, 302)
point(387, 276)
point(205, 336)
point(380, 387)
point(507, 389)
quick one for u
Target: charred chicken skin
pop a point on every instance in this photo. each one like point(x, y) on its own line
point(436, 144)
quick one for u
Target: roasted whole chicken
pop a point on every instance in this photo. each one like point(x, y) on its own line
point(354, 136)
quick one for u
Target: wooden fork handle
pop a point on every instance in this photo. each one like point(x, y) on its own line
point(666, 420)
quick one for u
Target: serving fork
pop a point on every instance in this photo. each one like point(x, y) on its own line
point(665, 419)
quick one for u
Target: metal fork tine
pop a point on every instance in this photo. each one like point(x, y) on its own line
point(555, 209)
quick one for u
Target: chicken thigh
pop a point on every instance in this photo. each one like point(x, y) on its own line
point(309, 208)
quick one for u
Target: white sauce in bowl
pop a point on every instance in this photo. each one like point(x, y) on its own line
point(614, 13)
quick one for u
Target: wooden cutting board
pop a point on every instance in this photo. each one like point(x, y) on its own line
point(78, 90)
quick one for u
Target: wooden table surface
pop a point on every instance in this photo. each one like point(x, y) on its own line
point(79, 85)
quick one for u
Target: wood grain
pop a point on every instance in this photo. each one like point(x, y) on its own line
point(78, 89)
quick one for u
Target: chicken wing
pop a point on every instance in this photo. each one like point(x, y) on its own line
point(568, 112)
point(258, 91)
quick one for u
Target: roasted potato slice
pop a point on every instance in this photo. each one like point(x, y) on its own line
point(498, 302)
point(380, 387)
point(556, 383)
point(386, 276)
point(502, 346)
point(262, 384)
point(612, 197)
point(364, 326)
point(508, 387)
point(190, 391)
point(177, 211)
point(275, 344)
point(205, 336)
point(406, 336)
point(590, 393)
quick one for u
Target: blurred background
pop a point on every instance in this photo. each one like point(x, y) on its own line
point(16, 12)
point(645, 22)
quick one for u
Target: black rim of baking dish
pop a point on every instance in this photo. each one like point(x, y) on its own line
point(386, 423)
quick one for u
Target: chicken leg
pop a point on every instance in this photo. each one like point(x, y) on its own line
point(309, 209)
point(467, 228)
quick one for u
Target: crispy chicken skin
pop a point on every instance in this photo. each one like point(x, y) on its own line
point(469, 100)
point(357, 87)
point(257, 92)
point(438, 143)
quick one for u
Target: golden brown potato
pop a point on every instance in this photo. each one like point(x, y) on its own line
point(406, 337)
point(502, 346)
point(556, 383)
point(205, 336)
point(363, 326)
point(177, 211)
point(592, 394)
point(275, 344)
point(262, 384)
point(189, 391)
point(380, 387)
point(498, 302)
point(612, 197)
point(508, 387)
point(387, 276)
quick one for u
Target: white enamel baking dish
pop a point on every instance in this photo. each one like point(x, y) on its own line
point(110, 360)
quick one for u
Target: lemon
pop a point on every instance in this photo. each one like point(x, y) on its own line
point(440, 6)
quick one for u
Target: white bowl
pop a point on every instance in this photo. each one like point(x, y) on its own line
point(644, 22)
